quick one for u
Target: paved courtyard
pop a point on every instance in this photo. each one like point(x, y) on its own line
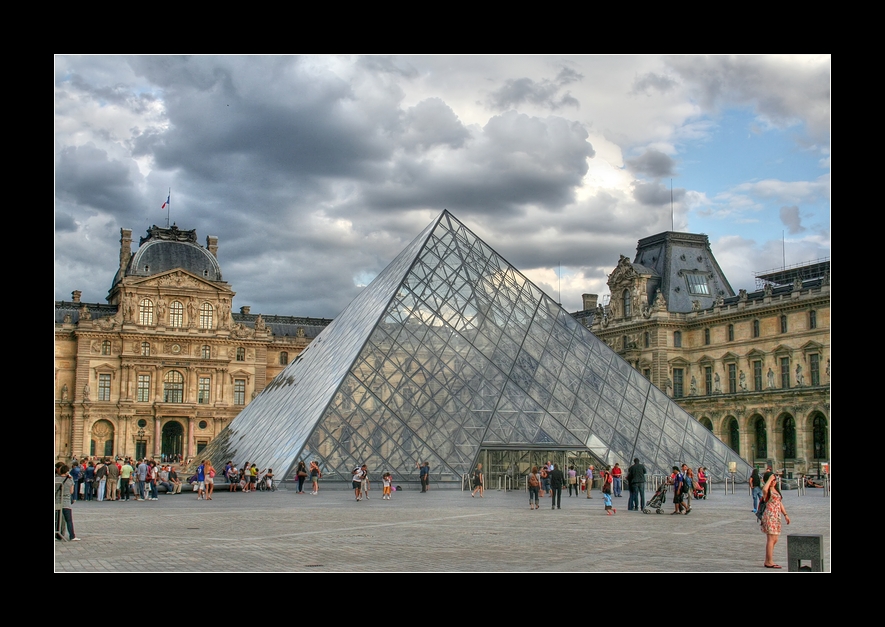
point(443, 530)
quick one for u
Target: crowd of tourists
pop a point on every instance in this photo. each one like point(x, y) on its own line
point(107, 479)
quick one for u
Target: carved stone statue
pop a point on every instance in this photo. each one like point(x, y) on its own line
point(768, 289)
point(800, 378)
point(64, 392)
point(694, 386)
point(300, 333)
point(259, 323)
point(86, 392)
point(743, 380)
point(717, 384)
point(742, 294)
point(770, 379)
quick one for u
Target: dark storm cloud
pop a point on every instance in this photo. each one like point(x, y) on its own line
point(791, 219)
point(86, 176)
point(64, 222)
point(545, 93)
point(656, 193)
point(652, 163)
point(514, 161)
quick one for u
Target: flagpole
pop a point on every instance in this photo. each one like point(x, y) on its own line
point(166, 206)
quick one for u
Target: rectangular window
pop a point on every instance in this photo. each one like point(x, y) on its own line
point(144, 388)
point(732, 379)
point(104, 387)
point(708, 380)
point(678, 383)
point(203, 392)
point(812, 319)
point(783, 324)
point(176, 315)
point(814, 360)
point(757, 376)
point(697, 284)
point(239, 391)
point(677, 339)
point(785, 373)
point(647, 373)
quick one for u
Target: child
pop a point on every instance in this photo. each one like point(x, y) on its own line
point(386, 480)
point(607, 495)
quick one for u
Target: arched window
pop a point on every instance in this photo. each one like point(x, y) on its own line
point(284, 358)
point(146, 312)
point(761, 438)
point(206, 312)
point(241, 353)
point(106, 347)
point(206, 352)
point(677, 339)
point(627, 304)
point(145, 349)
point(734, 436)
point(819, 437)
point(173, 387)
point(755, 328)
point(789, 438)
point(176, 315)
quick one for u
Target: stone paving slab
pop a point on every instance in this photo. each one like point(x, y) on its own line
point(444, 530)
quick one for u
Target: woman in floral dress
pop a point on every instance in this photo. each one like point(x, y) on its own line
point(771, 518)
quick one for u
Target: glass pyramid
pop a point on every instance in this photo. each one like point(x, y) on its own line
point(451, 351)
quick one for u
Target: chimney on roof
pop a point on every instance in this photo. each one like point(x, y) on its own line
point(75, 296)
point(212, 245)
point(125, 249)
point(590, 301)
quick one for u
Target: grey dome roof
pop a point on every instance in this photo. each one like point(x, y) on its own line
point(166, 249)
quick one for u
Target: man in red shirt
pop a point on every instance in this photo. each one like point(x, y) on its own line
point(616, 477)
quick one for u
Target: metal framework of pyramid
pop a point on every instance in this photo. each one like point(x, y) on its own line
point(449, 351)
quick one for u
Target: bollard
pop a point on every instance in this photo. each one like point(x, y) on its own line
point(809, 548)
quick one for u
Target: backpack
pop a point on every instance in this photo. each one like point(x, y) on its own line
point(686, 484)
point(533, 480)
point(543, 473)
point(760, 509)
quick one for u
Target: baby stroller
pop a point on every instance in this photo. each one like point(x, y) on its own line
point(699, 493)
point(267, 483)
point(657, 501)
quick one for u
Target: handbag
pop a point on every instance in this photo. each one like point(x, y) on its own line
point(302, 473)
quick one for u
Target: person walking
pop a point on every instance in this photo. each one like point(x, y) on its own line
point(636, 482)
point(210, 479)
point(357, 482)
point(201, 480)
point(386, 485)
point(573, 481)
point(534, 483)
point(478, 482)
point(588, 478)
point(424, 475)
point(64, 517)
point(771, 517)
point(755, 482)
point(364, 482)
point(556, 482)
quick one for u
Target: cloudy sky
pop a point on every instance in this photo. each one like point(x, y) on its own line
point(314, 172)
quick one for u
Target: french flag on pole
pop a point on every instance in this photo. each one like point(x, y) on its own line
point(167, 201)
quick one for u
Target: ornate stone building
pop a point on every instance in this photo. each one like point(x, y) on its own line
point(753, 367)
point(165, 364)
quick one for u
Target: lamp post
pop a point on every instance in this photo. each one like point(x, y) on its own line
point(140, 449)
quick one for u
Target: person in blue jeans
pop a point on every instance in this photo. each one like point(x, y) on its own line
point(756, 487)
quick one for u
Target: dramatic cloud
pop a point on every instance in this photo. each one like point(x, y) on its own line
point(315, 171)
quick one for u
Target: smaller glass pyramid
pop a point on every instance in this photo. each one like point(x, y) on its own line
point(449, 351)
